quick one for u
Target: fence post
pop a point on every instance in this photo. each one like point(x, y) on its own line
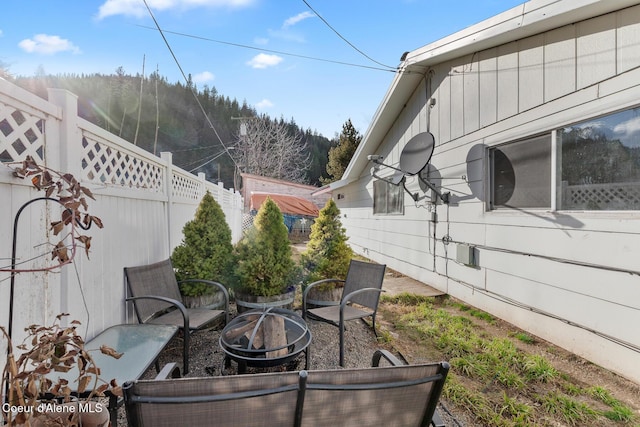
point(168, 188)
point(68, 139)
point(63, 152)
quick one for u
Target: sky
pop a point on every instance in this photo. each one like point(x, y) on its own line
point(318, 62)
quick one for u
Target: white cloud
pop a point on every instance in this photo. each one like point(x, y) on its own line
point(264, 104)
point(47, 45)
point(203, 77)
point(263, 60)
point(628, 129)
point(289, 22)
point(137, 8)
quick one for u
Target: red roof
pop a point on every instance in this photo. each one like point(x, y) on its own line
point(292, 205)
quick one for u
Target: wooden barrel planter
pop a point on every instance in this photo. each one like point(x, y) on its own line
point(323, 296)
point(245, 302)
point(206, 301)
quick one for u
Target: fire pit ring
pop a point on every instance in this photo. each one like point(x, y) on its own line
point(265, 338)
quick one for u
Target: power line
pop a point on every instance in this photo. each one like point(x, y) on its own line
point(184, 76)
point(345, 40)
point(279, 52)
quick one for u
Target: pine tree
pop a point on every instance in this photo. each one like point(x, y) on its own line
point(341, 154)
point(206, 249)
point(328, 254)
point(264, 264)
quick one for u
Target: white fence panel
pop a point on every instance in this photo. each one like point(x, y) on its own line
point(143, 200)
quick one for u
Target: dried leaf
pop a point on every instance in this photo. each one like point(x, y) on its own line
point(35, 180)
point(110, 352)
point(60, 252)
point(32, 388)
point(87, 192)
point(83, 382)
point(116, 391)
point(97, 221)
point(57, 227)
point(67, 216)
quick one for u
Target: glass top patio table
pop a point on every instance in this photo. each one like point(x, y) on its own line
point(140, 344)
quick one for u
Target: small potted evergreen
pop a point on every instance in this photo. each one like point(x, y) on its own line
point(205, 253)
point(265, 273)
point(327, 256)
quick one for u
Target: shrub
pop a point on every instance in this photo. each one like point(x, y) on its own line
point(264, 264)
point(206, 249)
point(327, 254)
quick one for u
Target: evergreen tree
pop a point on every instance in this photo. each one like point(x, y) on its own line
point(341, 154)
point(206, 249)
point(328, 254)
point(264, 264)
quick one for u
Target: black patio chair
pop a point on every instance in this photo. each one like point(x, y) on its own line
point(360, 297)
point(154, 291)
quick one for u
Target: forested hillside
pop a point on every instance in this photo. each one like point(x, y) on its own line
point(111, 102)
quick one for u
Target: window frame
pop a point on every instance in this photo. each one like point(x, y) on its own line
point(380, 184)
point(555, 168)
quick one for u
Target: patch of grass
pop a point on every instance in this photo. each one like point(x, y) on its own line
point(384, 336)
point(520, 413)
point(525, 338)
point(492, 379)
point(618, 411)
point(537, 368)
point(406, 298)
point(572, 411)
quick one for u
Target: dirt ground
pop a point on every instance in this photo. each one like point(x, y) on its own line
point(579, 371)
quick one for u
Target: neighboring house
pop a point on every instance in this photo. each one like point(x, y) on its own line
point(260, 184)
point(536, 118)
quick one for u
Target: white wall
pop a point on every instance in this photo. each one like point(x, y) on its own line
point(538, 259)
point(143, 201)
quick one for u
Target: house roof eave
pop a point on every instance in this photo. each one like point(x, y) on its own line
point(527, 19)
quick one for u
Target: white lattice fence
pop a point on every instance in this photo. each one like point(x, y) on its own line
point(619, 196)
point(104, 162)
point(22, 132)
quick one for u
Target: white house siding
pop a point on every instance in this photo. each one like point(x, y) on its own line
point(564, 268)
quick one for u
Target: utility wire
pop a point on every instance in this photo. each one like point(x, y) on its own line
point(244, 46)
point(345, 40)
point(184, 76)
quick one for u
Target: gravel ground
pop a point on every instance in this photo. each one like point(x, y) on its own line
point(206, 356)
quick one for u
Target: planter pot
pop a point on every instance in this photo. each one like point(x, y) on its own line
point(91, 414)
point(318, 297)
point(246, 302)
point(212, 301)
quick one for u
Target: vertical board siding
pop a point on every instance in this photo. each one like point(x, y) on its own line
point(530, 76)
point(596, 50)
point(488, 79)
point(628, 39)
point(559, 62)
point(566, 264)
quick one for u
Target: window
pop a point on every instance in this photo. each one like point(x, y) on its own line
point(596, 167)
point(387, 198)
point(521, 174)
point(599, 163)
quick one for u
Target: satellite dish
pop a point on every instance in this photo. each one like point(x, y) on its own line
point(417, 153)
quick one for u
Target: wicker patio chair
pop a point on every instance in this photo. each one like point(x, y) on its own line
point(154, 291)
point(360, 296)
point(404, 395)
